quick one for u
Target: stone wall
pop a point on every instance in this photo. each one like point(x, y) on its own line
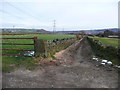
point(56, 45)
point(103, 51)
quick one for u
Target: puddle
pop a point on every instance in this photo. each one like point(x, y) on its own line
point(102, 63)
point(109, 62)
point(95, 59)
point(30, 53)
point(105, 62)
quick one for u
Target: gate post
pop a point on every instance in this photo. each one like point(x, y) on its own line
point(40, 48)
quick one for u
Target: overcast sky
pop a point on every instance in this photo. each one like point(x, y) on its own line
point(69, 14)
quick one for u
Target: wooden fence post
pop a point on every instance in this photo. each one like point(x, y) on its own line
point(40, 47)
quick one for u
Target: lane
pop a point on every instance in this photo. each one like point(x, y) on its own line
point(76, 70)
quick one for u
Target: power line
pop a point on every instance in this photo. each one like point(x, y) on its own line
point(54, 26)
point(63, 30)
point(7, 13)
point(3, 11)
point(28, 14)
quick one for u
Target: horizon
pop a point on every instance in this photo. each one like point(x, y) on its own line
point(61, 30)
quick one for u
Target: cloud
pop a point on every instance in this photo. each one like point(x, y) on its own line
point(69, 14)
point(59, 1)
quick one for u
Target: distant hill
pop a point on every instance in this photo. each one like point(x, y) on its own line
point(42, 31)
point(96, 31)
point(27, 31)
point(23, 31)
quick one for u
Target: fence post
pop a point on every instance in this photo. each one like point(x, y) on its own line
point(40, 47)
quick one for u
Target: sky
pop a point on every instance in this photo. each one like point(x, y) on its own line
point(68, 14)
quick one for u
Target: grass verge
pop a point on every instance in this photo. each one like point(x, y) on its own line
point(11, 63)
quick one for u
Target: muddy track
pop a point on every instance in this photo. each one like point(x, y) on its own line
point(76, 70)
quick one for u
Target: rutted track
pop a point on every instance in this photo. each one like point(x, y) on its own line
point(76, 70)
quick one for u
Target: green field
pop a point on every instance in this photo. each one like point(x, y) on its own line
point(43, 36)
point(11, 62)
point(25, 41)
point(108, 41)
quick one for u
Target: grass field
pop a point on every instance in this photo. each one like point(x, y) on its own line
point(108, 41)
point(42, 36)
point(12, 62)
point(108, 53)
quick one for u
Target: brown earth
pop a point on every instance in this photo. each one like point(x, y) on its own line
point(74, 68)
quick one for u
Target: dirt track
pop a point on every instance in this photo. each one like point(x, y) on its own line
point(76, 70)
